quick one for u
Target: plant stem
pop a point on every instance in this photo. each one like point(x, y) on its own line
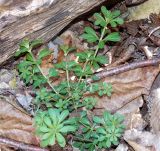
point(83, 140)
point(83, 70)
point(96, 51)
point(48, 81)
point(102, 35)
point(67, 73)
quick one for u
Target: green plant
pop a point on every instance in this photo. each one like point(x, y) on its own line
point(71, 97)
point(52, 125)
point(103, 20)
point(98, 133)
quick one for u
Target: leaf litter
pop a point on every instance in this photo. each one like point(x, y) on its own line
point(132, 90)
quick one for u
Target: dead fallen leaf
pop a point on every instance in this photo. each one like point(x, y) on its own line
point(127, 87)
point(16, 125)
point(138, 147)
point(142, 140)
point(122, 147)
point(133, 117)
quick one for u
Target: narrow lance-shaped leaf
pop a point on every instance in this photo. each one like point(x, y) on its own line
point(36, 43)
point(43, 53)
point(115, 37)
point(61, 140)
point(47, 121)
point(63, 115)
point(66, 129)
point(90, 35)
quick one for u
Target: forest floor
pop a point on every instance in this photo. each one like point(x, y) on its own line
point(132, 69)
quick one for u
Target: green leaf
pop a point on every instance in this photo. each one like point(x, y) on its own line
point(97, 120)
point(113, 37)
point(21, 51)
point(43, 53)
point(116, 13)
point(66, 49)
point(77, 144)
point(83, 113)
point(66, 129)
point(36, 43)
point(44, 143)
point(29, 57)
point(85, 121)
point(119, 21)
point(61, 65)
point(100, 20)
point(108, 143)
point(101, 44)
point(61, 140)
point(113, 24)
point(63, 115)
point(46, 136)
point(44, 129)
point(115, 143)
point(71, 64)
point(52, 139)
point(53, 72)
point(90, 35)
point(71, 121)
point(106, 116)
point(47, 121)
point(101, 59)
point(54, 114)
point(106, 13)
point(101, 130)
point(101, 138)
point(89, 38)
point(100, 93)
point(25, 43)
point(91, 31)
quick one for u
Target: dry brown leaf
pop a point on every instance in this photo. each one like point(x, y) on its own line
point(142, 139)
point(138, 147)
point(133, 117)
point(127, 87)
point(16, 125)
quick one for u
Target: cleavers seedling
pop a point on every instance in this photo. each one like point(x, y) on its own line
point(58, 104)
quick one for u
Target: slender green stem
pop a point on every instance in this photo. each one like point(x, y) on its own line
point(48, 81)
point(102, 35)
point(67, 73)
point(85, 64)
point(96, 51)
point(83, 140)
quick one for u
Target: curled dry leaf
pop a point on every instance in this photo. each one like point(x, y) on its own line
point(145, 141)
point(138, 147)
point(133, 117)
point(16, 125)
point(127, 87)
point(122, 147)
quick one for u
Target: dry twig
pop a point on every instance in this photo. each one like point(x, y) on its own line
point(124, 68)
point(19, 145)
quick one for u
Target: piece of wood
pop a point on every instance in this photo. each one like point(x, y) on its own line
point(44, 25)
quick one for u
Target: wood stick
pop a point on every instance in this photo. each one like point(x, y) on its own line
point(124, 68)
point(19, 145)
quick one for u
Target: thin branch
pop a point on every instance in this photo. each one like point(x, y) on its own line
point(124, 68)
point(20, 145)
point(138, 2)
